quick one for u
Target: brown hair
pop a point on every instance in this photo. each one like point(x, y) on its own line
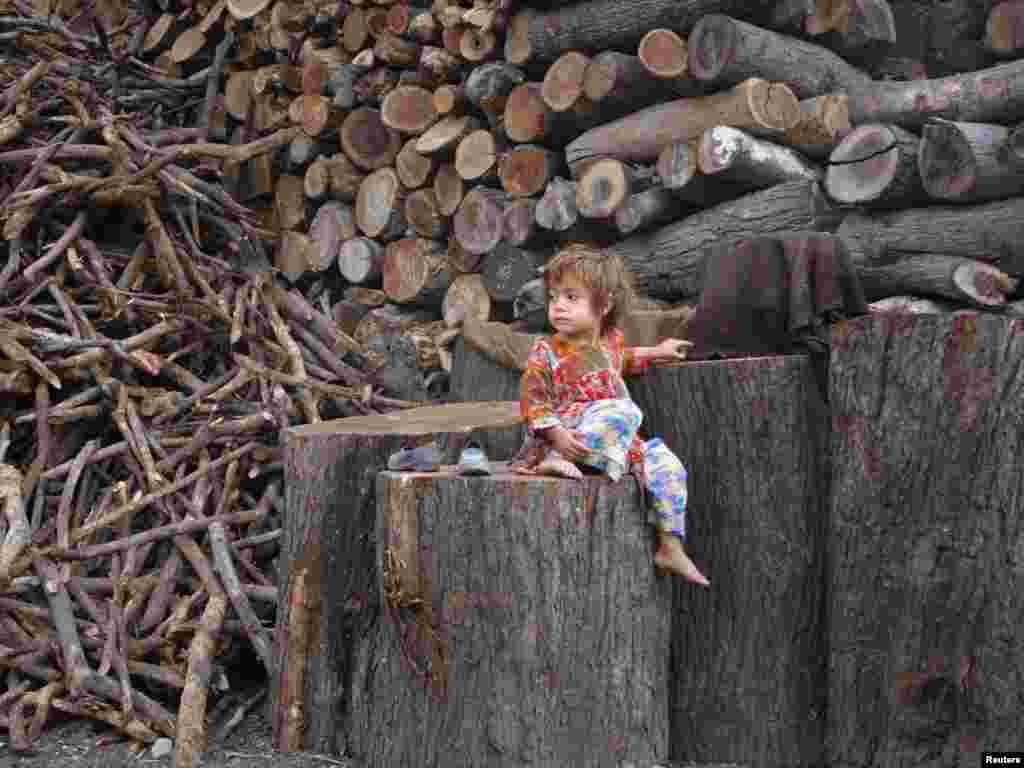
point(600, 272)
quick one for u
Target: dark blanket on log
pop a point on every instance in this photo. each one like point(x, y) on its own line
point(774, 295)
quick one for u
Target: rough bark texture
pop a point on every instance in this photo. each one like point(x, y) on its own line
point(621, 83)
point(329, 529)
point(989, 232)
point(965, 280)
point(667, 263)
point(736, 156)
point(535, 696)
point(923, 573)
point(749, 668)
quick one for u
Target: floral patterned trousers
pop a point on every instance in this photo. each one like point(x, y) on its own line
point(607, 428)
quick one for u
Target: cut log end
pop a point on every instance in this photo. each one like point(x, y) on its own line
point(360, 260)
point(408, 109)
point(478, 221)
point(863, 165)
point(664, 53)
point(367, 141)
point(946, 161)
point(526, 114)
point(563, 82)
point(1004, 32)
point(711, 46)
point(677, 164)
point(517, 39)
point(603, 188)
point(526, 170)
point(449, 188)
point(476, 155)
point(379, 204)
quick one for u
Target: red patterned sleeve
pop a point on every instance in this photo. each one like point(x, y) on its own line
point(634, 361)
point(536, 391)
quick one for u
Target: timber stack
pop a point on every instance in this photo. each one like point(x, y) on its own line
point(222, 218)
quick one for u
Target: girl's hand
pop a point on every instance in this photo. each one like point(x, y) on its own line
point(563, 441)
point(671, 350)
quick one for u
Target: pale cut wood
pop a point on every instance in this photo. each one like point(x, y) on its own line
point(462, 260)
point(188, 45)
point(736, 156)
point(380, 205)
point(333, 224)
point(824, 122)
point(476, 45)
point(161, 34)
point(449, 99)
point(875, 165)
point(1004, 30)
point(641, 136)
point(619, 84)
point(966, 162)
point(238, 94)
point(488, 87)
point(291, 258)
point(441, 65)
point(319, 115)
point(416, 271)
point(277, 76)
point(289, 201)
point(725, 51)
point(477, 224)
point(604, 186)
point(422, 214)
point(528, 119)
point(361, 260)
point(396, 51)
point(562, 86)
point(476, 157)
point(414, 169)
point(247, 9)
point(526, 169)
point(367, 141)
point(408, 109)
point(445, 134)
point(449, 188)
point(354, 31)
point(663, 53)
point(467, 292)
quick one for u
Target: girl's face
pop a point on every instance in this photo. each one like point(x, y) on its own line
point(572, 311)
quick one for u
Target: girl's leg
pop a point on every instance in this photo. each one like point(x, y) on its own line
point(665, 480)
point(608, 427)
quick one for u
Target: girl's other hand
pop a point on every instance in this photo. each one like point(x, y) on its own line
point(569, 446)
point(672, 350)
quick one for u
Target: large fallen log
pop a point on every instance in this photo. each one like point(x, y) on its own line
point(967, 281)
point(667, 262)
point(967, 162)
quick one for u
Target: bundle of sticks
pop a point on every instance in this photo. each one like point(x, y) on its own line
point(150, 359)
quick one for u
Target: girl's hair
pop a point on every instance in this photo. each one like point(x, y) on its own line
point(600, 272)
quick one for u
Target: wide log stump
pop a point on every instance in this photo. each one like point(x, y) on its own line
point(926, 540)
point(748, 654)
point(524, 625)
point(328, 556)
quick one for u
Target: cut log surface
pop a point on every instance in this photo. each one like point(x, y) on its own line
point(751, 559)
point(329, 531)
point(619, 83)
point(333, 224)
point(603, 187)
point(489, 85)
point(423, 215)
point(416, 271)
point(876, 165)
point(642, 135)
point(562, 87)
point(526, 169)
point(989, 232)
point(664, 54)
point(367, 141)
point(679, 171)
point(724, 51)
point(408, 109)
point(1004, 31)
point(591, 533)
point(478, 221)
point(824, 121)
point(528, 118)
point(476, 157)
point(446, 134)
point(469, 293)
point(414, 169)
point(667, 263)
point(361, 260)
point(735, 155)
point(536, 39)
point(966, 162)
point(993, 95)
point(949, 277)
point(507, 268)
point(949, 385)
point(449, 188)
point(519, 223)
point(556, 210)
point(380, 205)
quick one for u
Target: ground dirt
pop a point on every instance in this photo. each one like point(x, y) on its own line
point(82, 744)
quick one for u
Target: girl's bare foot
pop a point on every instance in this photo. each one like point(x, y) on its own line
point(671, 556)
point(557, 466)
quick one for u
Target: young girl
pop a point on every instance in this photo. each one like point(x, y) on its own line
point(577, 407)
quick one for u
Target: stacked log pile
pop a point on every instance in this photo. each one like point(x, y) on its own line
point(224, 217)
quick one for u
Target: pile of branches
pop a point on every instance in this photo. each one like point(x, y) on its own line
point(149, 362)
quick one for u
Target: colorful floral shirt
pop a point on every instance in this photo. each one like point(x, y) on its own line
point(562, 378)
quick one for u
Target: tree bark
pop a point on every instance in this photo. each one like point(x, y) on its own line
point(329, 533)
point(762, 545)
point(736, 156)
point(535, 701)
point(507, 268)
point(678, 170)
point(641, 136)
point(866, 34)
point(416, 272)
point(361, 260)
point(967, 281)
point(477, 224)
point(726, 51)
point(536, 39)
point(918, 405)
point(488, 87)
point(993, 95)
point(876, 165)
point(651, 208)
point(989, 232)
point(667, 263)
point(967, 162)
point(619, 84)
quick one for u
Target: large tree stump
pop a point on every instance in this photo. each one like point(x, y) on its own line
point(749, 667)
point(524, 625)
point(329, 545)
point(926, 563)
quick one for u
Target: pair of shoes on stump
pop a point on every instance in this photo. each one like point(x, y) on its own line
point(473, 460)
point(427, 458)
